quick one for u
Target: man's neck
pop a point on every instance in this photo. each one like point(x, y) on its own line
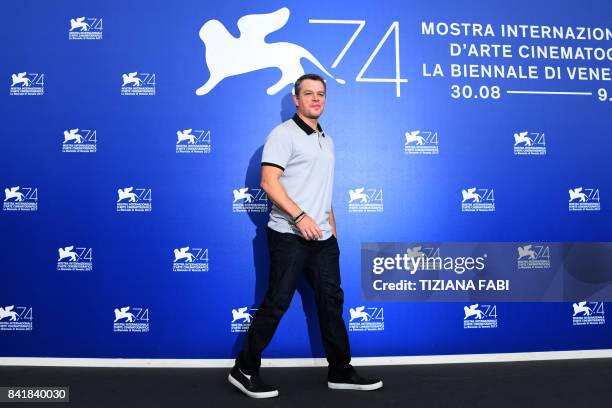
point(313, 123)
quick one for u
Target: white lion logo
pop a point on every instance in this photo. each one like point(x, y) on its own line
point(472, 310)
point(72, 135)
point(581, 307)
point(577, 194)
point(127, 193)
point(415, 252)
point(124, 314)
point(241, 313)
point(67, 253)
point(413, 137)
point(186, 135)
point(526, 251)
point(79, 23)
point(228, 56)
point(183, 254)
point(22, 79)
point(471, 194)
point(13, 192)
point(522, 138)
point(8, 312)
point(359, 313)
point(242, 194)
point(131, 78)
point(358, 194)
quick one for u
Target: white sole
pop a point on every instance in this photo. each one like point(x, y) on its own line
point(236, 383)
point(345, 386)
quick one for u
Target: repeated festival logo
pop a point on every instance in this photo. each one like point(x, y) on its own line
point(476, 199)
point(584, 199)
point(529, 144)
point(247, 199)
point(130, 319)
point(19, 198)
point(16, 318)
point(241, 319)
point(75, 258)
point(366, 319)
point(27, 84)
point(138, 84)
point(588, 313)
point(419, 142)
point(85, 28)
point(477, 316)
point(80, 141)
point(193, 141)
point(366, 200)
point(130, 199)
point(190, 259)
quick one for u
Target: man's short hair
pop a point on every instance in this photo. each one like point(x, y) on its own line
point(314, 77)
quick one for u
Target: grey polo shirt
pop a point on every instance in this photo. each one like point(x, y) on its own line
point(307, 160)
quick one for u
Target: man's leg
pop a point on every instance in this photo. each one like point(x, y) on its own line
point(287, 258)
point(323, 272)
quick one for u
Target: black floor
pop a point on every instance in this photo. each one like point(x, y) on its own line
point(568, 383)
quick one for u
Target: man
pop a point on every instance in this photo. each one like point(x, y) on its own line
point(297, 174)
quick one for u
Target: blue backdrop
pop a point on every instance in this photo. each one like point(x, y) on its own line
point(126, 77)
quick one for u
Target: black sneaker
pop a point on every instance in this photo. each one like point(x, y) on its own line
point(251, 385)
point(352, 381)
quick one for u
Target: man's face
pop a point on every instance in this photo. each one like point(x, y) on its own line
point(311, 100)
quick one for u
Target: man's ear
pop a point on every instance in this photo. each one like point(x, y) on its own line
point(295, 100)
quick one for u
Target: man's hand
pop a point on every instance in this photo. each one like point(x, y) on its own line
point(309, 228)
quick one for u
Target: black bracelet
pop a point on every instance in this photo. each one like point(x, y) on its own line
point(299, 219)
point(298, 216)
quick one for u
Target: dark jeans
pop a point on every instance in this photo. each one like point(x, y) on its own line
point(290, 257)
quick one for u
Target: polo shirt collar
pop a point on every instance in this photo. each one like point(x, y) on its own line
point(304, 126)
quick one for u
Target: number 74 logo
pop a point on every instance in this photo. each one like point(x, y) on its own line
point(393, 28)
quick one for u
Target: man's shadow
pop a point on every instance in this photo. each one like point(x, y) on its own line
point(261, 257)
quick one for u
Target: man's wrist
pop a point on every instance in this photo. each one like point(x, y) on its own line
point(298, 217)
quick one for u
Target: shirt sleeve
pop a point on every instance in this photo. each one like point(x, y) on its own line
point(277, 150)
